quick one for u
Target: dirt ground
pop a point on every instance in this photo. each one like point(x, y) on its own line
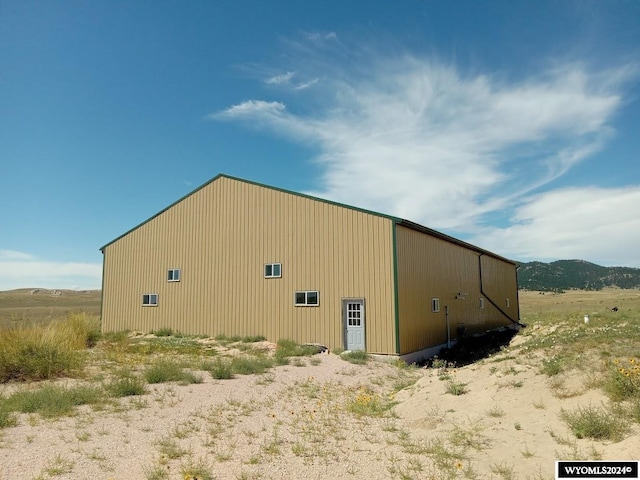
point(319, 419)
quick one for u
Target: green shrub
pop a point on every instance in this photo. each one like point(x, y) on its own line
point(199, 469)
point(253, 339)
point(220, 369)
point(52, 400)
point(595, 423)
point(156, 472)
point(368, 403)
point(552, 366)
point(456, 388)
point(288, 348)
point(250, 365)
point(126, 386)
point(7, 418)
point(359, 357)
point(165, 345)
point(224, 340)
point(623, 380)
point(168, 371)
point(163, 332)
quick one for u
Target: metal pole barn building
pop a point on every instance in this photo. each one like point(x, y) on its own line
point(235, 257)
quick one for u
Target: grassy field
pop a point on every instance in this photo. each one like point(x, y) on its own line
point(578, 302)
point(42, 305)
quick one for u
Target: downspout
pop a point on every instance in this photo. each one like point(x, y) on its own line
point(505, 314)
point(396, 312)
point(446, 316)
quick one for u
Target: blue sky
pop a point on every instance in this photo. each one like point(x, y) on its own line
point(511, 125)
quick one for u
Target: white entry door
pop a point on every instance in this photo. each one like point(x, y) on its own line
point(354, 324)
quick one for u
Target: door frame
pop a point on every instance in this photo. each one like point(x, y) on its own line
point(345, 326)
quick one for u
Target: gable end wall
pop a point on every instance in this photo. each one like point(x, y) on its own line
point(221, 236)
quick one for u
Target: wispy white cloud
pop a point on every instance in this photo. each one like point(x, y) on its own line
point(573, 223)
point(253, 108)
point(22, 270)
point(321, 36)
point(9, 255)
point(279, 79)
point(416, 138)
point(310, 83)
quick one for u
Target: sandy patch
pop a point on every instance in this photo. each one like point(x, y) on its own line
point(297, 422)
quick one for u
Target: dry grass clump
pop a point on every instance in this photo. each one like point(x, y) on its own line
point(7, 417)
point(596, 423)
point(288, 348)
point(358, 357)
point(50, 400)
point(43, 352)
point(164, 370)
point(126, 386)
point(219, 368)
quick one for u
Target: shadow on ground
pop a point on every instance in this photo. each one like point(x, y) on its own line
point(468, 350)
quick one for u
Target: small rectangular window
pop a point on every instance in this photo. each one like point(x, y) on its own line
point(272, 270)
point(435, 305)
point(150, 300)
point(481, 303)
point(307, 298)
point(173, 275)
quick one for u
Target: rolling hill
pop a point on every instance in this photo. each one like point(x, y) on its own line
point(575, 274)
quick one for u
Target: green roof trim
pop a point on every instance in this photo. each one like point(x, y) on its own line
point(395, 220)
point(222, 175)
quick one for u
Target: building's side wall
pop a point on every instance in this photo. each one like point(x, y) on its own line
point(430, 267)
point(221, 236)
point(500, 284)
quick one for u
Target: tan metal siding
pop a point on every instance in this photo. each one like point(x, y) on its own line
point(499, 284)
point(221, 236)
point(430, 267)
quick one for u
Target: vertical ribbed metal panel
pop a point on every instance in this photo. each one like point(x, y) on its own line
point(430, 267)
point(500, 284)
point(221, 236)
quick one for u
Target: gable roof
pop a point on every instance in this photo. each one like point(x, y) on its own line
point(395, 220)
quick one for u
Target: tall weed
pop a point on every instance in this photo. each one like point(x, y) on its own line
point(595, 423)
point(623, 380)
point(43, 352)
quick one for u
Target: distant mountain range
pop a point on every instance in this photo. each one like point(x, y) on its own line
point(575, 274)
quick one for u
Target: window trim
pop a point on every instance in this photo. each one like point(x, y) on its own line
point(171, 275)
point(149, 303)
point(306, 298)
point(272, 265)
point(435, 305)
